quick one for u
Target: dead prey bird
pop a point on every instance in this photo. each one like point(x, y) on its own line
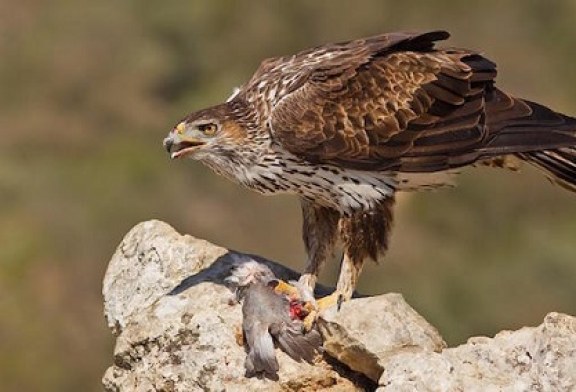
point(271, 315)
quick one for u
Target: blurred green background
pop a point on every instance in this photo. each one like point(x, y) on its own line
point(89, 89)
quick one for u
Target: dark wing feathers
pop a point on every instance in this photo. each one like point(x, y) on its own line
point(297, 344)
point(394, 102)
point(366, 104)
point(518, 126)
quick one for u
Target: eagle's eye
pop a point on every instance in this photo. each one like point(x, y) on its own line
point(208, 129)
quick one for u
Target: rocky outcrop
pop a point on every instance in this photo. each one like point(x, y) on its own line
point(176, 322)
point(176, 325)
point(367, 331)
point(539, 358)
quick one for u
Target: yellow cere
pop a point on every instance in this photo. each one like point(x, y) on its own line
point(180, 127)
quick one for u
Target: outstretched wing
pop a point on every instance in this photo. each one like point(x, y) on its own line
point(386, 102)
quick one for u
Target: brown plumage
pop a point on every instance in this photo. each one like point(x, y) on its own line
point(345, 126)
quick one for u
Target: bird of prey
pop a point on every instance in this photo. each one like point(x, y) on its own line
point(345, 126)
point(268, 316)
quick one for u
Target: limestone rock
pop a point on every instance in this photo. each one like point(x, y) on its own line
point(366, 331)
point(176, 322)
point(150, 261)
point(539, 358)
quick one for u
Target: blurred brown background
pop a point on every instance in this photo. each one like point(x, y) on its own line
point(89, 89)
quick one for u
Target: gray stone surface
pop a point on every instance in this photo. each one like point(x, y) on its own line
point(176, 321)
point(366, 331)
point(151, 260)
point(539, 358)
point(176, 325)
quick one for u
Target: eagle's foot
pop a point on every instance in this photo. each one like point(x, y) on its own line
point(284, 288)
point(334, 299)
point(302, 303)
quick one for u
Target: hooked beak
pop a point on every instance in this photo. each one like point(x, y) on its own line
point(178, 144)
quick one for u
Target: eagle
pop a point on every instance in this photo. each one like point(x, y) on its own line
point(345, 126)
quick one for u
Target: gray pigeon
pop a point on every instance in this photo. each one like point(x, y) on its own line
point(268, 319)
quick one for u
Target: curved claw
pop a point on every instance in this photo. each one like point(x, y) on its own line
point(313, 308)
point(334, 299)
point(310, 320)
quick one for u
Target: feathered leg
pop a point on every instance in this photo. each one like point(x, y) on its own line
point(320, 229)
point(364, 236)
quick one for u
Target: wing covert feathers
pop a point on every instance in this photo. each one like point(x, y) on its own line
point(394, 102)
point(368, 103)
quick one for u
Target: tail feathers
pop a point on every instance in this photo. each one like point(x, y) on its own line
point(558, 164)
point(262, 357)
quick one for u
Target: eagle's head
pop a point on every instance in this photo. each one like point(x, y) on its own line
point(213, 133)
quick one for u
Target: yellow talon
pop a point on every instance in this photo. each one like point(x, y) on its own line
point(312, 309)
point(321, 304)
point(309, 320)
point(284, 288)
point(328, 301)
